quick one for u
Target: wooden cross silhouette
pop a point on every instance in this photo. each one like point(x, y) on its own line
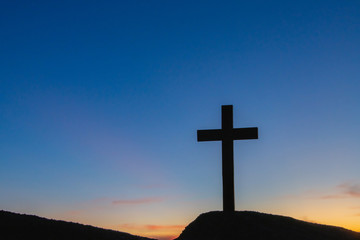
point(227, 134)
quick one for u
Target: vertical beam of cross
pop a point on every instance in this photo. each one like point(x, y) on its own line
point(227, 134)
point(227, 158)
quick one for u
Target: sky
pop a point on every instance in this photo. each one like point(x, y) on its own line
point(100, 102)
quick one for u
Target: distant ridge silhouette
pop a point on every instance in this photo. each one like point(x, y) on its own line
point(248, 225)
point(14, 226)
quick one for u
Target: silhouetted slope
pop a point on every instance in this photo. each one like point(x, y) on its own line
point(15, 226)
point(259, 226)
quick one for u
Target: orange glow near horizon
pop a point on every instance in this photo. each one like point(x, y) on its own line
point(318, 213)
point(165, 220)
point(161, 232)
point(337, 211)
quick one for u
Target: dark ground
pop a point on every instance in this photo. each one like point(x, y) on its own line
point(15, 226)
point(210, 226)
point(259, 226)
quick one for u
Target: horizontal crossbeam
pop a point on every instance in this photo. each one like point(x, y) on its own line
point(210, 135)
point(245, 133)
point(233, 134)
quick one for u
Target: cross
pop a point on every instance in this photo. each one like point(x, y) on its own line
point(227, 134)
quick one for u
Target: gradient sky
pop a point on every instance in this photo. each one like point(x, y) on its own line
point(100, 102)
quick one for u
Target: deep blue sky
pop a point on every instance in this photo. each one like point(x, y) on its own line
point(100, 102)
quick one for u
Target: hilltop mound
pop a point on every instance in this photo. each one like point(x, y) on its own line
point(20, 226)
point(259, 226)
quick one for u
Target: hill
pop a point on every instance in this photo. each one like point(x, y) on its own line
point(210, 226)
point(259, 226)
point(15, 226)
